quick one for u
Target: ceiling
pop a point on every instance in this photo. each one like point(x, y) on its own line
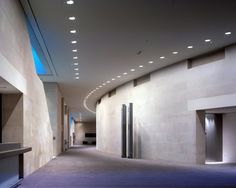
point(115, 36)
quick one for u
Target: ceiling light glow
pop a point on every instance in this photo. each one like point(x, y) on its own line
point(75, 50)
point(150, 62)
point(76, 64)
point(75, 57)
point(190, 47)
point(73, 31)
point(228, 33)
point(140, 66)
point(76, 73)
point(108, 82)
point(208, 40)
point(118, 76)
point(71, 18)
point(125, 73)
point(175, 53)
point(74, 42)
point(76, 69)
point(113, 79)
point(70, 2)
point(162, 57)
point(76, 77)
point(132, 70)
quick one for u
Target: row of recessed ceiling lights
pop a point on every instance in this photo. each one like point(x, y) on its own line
point(140, 66)
point(74, 50)
point(73, 18)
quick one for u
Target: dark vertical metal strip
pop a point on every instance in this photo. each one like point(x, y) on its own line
point(130, 131)
point(123, 131)
point(21, 166)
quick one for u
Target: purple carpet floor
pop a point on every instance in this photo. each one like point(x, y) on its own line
point(85, 167)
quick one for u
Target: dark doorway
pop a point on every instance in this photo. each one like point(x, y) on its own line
point(213, 123)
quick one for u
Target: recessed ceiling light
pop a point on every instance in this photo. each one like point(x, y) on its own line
point(73, 31)
point(71, 18)
point(73, 41)
point(76, 77)
point(208, 40)
point(228, 33)
point(69, 2)
point(76, 73)
point(76, 64)
point(76, 69)
point(150, 62)
point(75, 57)
point(132, 70)
point(140, 66)
point(100, 86)
point(162, 57)
point(104, 84)
point(190, 47)
point(108, 82)
point(75, 50)
point(175, 53)
point(125, 73)
point(113, 79)
point(97, 88)
point(118, 76)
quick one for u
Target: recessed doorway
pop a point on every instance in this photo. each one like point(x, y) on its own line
point(220, 127)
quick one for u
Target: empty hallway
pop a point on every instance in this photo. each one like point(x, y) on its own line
point(85, 167)
point(152, 81)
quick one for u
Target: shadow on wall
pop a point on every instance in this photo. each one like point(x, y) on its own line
point(12, 118)
point(137, 139)
point(213, 137)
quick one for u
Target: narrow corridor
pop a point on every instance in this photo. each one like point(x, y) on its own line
point(86, 167)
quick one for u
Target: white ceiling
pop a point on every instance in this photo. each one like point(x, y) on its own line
point(115, 36)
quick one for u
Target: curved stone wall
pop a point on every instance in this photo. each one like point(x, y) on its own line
point(168, 116)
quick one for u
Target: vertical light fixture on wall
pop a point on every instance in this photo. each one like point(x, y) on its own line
point(123, 131)
point(127, 136)
point(130, 131)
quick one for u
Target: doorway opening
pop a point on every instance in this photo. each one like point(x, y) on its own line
point(11, 113)
point(220, 127)
point(214, 142)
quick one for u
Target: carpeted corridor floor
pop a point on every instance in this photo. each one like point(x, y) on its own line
point(85, 167)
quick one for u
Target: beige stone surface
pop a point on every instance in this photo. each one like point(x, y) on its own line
point(164, 127)
point(229, 139)
point(54, 96)
point(16, 58)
